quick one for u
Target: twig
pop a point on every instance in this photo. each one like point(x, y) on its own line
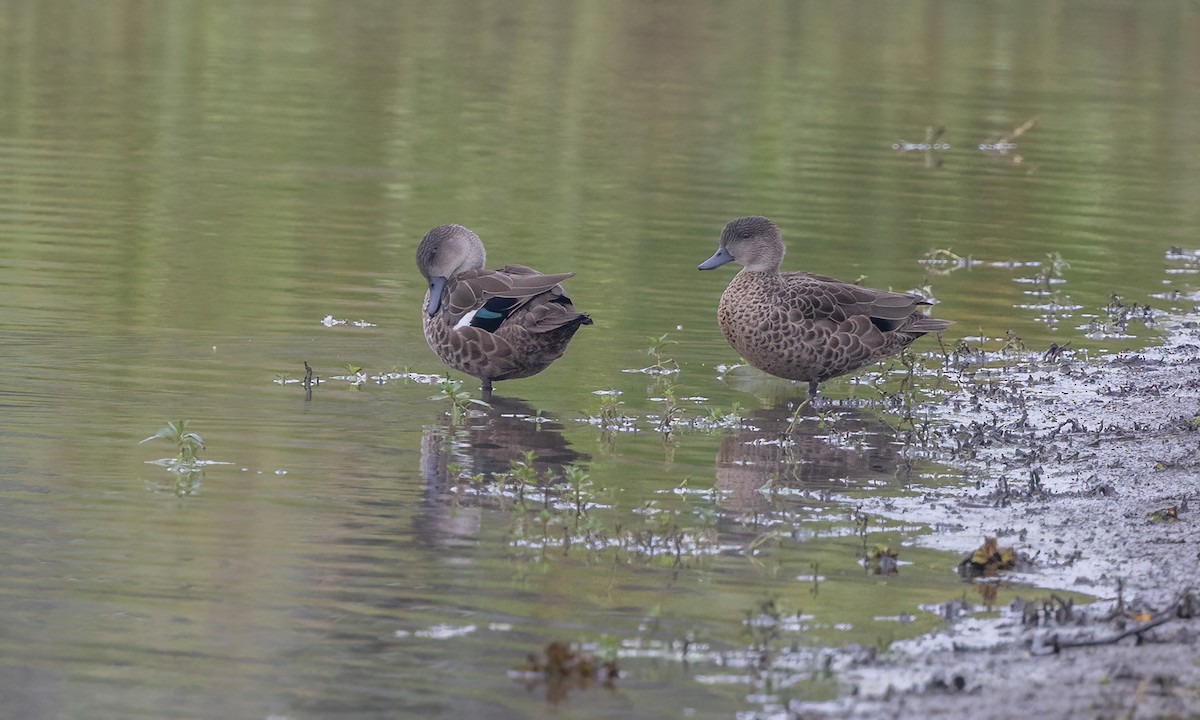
point(1181, 608)
point(1113, 639)
point(1018, 132)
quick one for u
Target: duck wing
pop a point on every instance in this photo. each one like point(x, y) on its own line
point(486, 298)
point(819, 296)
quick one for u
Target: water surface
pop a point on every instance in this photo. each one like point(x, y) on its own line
point(188, 188)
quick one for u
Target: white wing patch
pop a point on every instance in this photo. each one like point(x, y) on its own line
point(466, 320)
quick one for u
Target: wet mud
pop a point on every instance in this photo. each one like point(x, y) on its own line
point(1089, 468)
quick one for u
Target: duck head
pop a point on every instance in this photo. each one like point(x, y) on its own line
point(752, 242)
point(444, 252)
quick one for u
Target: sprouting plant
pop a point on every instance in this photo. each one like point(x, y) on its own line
point(610, 409)
point(460, 400)
point(608, 647)
point(355, 374)
point(1052, 270)
point(656, 351)
point(1012, 343)
point(580, 486)
point(908, 383)
point(188, 442)
point(861, 522)
point(523, 474)
point(544, 517)
point(795, 417)
point(943, 261)
point(763, 626)
point(717, 418)
point(670, 411)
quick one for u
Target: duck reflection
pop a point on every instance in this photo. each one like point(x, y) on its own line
point(487, 443)
point(839, 450)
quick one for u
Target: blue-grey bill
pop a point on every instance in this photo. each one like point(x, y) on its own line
point(435, 294)
point(719, 258)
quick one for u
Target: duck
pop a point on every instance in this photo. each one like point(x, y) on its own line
point(803, 326)
point(491, 324)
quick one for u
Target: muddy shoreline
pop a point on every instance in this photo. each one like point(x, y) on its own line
point(1089, 469)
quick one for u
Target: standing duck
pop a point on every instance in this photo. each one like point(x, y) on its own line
point(491, 324)
point(807, 327)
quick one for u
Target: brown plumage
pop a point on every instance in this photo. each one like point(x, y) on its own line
point(802, 326)
point(491, 324)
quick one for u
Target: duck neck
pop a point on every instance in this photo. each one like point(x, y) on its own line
point(760, 276)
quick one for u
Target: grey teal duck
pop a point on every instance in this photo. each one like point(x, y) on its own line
point(807, 327)
point(491, 324)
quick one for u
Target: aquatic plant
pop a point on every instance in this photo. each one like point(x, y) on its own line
point(577, 481)
point(943, 261)
point(609, 405)
point(670, 412)
point(188, 442)
point(662, 364)
point(794, 419)
point(1051, 272)
point(460, 400)
point(718, 419)
point(523, 475)
point(763, 628)
point(357, 376)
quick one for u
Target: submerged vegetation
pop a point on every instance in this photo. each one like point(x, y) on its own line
point(560, 512)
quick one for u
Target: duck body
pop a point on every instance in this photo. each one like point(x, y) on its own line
point(803, 326)
point(491, 324)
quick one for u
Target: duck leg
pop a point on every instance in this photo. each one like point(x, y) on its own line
point(812, 388)
point(486, 390)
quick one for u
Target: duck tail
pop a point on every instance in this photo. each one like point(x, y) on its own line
point(929, 325)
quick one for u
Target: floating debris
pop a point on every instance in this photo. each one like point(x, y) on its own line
point(883, 560)
point(653, 370)
point(564, 669)
point(929, 147)
point(987, 560)
point(331, 321)
point(1002, 147)
point(445, 632)
point(1169, 514)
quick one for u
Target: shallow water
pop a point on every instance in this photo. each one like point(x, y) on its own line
point(187, 189)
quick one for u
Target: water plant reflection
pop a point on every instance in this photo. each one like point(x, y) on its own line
point(479, 447)
point(803, 449)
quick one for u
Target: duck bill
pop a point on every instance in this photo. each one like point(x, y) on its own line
point(719, 258)
point(435, 294)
